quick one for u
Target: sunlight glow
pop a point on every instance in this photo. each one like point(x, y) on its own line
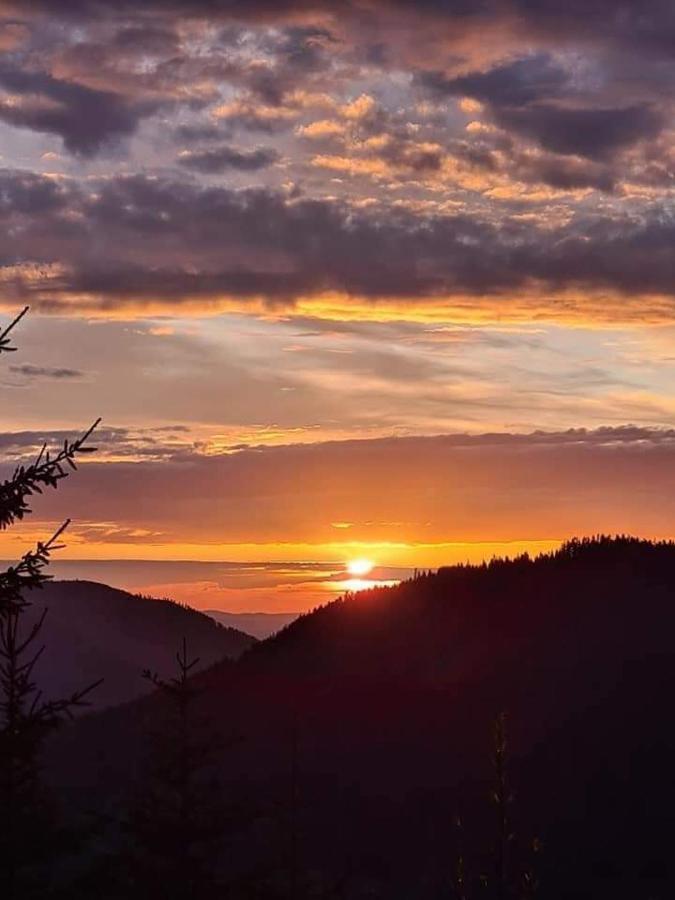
point(360, 567)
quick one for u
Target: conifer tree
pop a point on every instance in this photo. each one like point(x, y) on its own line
point(178, 818)
point(502, 799)
point(26, 825)
point(514, 875)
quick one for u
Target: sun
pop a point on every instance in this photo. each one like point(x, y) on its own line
point(360, 567)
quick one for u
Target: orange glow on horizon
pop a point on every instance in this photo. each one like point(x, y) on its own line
point(590, 309)
point(388, 553)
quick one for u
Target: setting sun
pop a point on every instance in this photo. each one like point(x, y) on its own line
point(360, 567)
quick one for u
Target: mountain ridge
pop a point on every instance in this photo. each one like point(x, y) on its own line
point(392, 694)
point(93, 631)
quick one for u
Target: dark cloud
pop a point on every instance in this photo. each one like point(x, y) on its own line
point(220, 159)
point(514, 83)
point(30, 371)
point(645, 24)
point(301, 47)
point(132, 240)
point(12, 442)
point(499, 154)
point(565, 174)
point(531, 97)
point(199, 133)
point(594, 133)
point(147, 39)
point(26, 193)
point(649, 24)
point(142, 443)
point(86, 119)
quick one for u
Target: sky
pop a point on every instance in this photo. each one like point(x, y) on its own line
point(367, 279)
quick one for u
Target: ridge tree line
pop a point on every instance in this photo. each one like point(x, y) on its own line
point(177, 817)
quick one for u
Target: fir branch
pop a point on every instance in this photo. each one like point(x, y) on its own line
point(21, 703)
point(46, 471)
point(5, 344)
point(28, 573)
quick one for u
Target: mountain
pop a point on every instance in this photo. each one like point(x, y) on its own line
point(260, 625)
point(376, 712)
point(93, 631)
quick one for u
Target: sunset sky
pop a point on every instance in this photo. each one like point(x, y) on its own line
point(370, 279)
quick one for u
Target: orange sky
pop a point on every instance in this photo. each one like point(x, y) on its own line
point(382, 282)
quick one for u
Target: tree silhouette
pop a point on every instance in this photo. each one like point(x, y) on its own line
point(502, 799)
point(514, 875)
point(178, 817)
point(27, 831)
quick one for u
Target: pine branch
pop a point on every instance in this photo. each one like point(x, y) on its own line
point(28, 572)
point(5, 345)
point(52, 712)
point(46, 471)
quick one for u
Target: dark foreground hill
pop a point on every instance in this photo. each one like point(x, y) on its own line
point(94, 631)
point(375, 713)
point(259, 625)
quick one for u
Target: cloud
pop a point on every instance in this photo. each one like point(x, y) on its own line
point(220, 159)
point(595, 133)
point(84, 118)
point(249, 115)
point(301, 47)
point(520, 95)
point(373, 141)
point(391, 194)
point(128, 241)
point(491, 487)
point(214, 69)
point(499, 157)
point(322, 129)
point(514, 83)
point(566, 174)
point(111, 442)
point(624, 24)
point(30, 371)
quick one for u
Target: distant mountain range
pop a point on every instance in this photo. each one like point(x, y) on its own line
point(94, 631)
point(389, 698)
point(260, 625)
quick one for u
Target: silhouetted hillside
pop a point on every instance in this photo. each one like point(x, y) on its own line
point(94, 631)
point(392, 694)
point(259, 625)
